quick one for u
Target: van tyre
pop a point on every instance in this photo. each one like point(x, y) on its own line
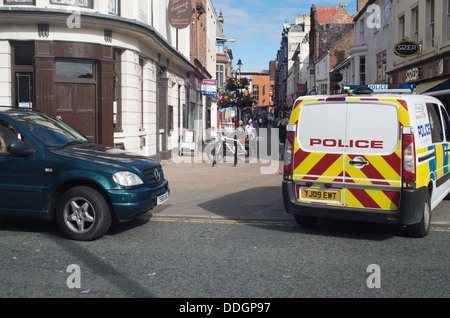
point(422, 228)
point(83, 214)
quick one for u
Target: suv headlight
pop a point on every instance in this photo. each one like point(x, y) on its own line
point(127, 179)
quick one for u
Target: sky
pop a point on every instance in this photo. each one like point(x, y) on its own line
point(256, 25)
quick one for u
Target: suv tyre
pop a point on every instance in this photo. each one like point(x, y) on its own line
point(83, 214)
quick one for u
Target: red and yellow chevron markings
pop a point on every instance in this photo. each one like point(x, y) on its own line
point(382, 171)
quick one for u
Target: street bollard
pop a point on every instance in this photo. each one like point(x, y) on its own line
point(214, 156)
point(235, 150)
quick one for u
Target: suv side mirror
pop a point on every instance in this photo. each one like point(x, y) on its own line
point(18, 147)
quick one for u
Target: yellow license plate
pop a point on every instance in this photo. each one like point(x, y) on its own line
point(321, 195)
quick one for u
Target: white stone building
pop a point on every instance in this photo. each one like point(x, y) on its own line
point(114, 69)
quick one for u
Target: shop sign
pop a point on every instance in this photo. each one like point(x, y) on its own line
point(180, 12)
point(209, 87)
point(412, 74)
point(406, 48)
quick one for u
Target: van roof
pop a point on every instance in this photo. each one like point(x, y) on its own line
point(344, 97)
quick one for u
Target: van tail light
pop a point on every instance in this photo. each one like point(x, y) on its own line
point(289, 151)
point(409, 159)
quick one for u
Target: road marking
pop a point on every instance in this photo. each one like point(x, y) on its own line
point(434, 228)
point(221, 221)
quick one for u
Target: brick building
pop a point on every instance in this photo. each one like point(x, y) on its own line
point(328, 25)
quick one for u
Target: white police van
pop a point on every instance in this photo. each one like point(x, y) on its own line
point(367, 156)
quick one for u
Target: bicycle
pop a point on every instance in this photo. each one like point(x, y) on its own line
point(243, 152)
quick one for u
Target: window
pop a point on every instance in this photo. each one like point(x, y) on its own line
point(74, 69)
point(361, 31)
point(381, 67)
point(219, 75)
point(114, 6)
point(401, 27)
point(7, 136)
point(22, 73)
point(362, 70)
point(24, 90)
point(446, 123)
point(435, 122)
point(415, 24)
point(447, 19)
point(221, 47)
point(323, 89)
point(78, 3)
point(256, 92)
point(21, 2)
point(386, 12)
point(431, 21)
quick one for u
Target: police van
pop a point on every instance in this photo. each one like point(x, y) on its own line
point(367, 156)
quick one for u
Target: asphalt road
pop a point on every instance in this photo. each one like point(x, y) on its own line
point(224, 234)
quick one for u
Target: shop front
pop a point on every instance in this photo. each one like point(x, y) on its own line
point(431, 77)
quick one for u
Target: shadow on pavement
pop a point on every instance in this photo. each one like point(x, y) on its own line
point(248, 206)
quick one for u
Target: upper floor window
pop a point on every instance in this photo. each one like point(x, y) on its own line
point(415, 24)
point(447, 19)
point(78, 3)
point(221, 47)
point(386, 12)
point(256, 92)
point(361, 31)
point(381, 67)
point(401, 28)
point(22, 2)
point(431, 21)
point(113, 7)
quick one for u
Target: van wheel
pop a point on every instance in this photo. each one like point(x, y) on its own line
point(422, 228)
point(83, 214)
point(305, 221)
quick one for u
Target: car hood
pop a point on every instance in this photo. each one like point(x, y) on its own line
point(106, 155)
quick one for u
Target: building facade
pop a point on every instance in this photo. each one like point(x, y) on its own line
point(119, 71)
point(115, 70)
point(426, 22)
point(328, 26)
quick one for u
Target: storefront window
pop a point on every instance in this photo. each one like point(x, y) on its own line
point(69, 69)
point(24, 90)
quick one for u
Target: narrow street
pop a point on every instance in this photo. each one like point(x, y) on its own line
point(224, 234)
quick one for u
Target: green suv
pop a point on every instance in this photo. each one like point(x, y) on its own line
point(49, 170)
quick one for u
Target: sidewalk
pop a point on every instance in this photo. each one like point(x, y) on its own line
point(224, 191)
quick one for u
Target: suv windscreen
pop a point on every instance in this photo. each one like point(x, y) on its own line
point(50, 131)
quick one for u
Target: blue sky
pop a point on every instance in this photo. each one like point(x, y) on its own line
point(256, 25)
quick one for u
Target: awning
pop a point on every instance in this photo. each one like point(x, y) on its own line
point(433, 87)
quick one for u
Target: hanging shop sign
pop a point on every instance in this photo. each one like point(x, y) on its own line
point(209, 87)
point(406, 48)
point(180, 12)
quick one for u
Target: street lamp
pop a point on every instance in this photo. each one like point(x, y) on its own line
point(238, 94)
point(239, 64)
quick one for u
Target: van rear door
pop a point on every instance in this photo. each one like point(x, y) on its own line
point(373, 155)
point(348, 153)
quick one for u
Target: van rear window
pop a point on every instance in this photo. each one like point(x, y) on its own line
point(352, 128)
